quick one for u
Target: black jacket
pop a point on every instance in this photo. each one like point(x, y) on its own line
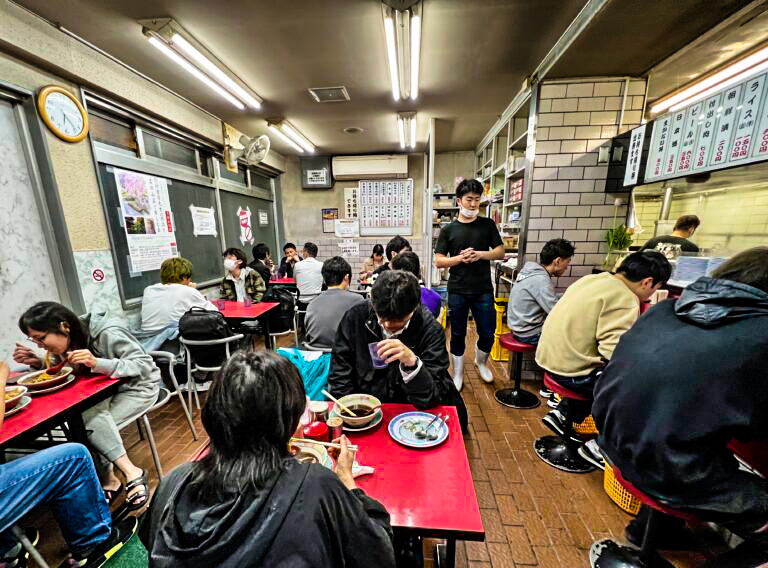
point(304, 518)
point(263, 270)
point(285, 270)
point(352, 369)
point(688, 377)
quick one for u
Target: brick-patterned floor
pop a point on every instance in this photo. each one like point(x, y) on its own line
point(534, 515)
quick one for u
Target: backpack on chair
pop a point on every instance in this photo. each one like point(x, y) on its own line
point(200, 325)
point(280, 318)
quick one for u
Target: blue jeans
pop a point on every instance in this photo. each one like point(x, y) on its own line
point(585, 386)
point(63, 477)
point(485, 320)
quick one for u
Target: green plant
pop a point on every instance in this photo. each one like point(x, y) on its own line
point(618, 238)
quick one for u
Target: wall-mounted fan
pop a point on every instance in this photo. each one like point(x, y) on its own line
point(254, 150)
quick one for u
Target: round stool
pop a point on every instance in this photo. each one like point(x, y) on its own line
point(561, 452)
point(516, 397)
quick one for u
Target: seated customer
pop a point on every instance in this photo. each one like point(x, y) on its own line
point(684, 228)
point(581, 332)
point(309, 275)
point(249, 503)
point(409, 261)
point(63, 479)
point(261, 262)
point(407, 337)
point(241, 280)
point(288, 262)
point(395, 246)
point(325, 311)
point(373, 262)
point(533, 295)
point(687, 378)
point(99, 343)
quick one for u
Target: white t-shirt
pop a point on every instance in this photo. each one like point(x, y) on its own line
point(309, 278)
point(164, 304)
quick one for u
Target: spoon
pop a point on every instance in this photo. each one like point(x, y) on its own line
point(433, 436)
point(422, 434)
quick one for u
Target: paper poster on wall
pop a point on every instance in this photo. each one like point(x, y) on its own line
point(147, 219)
point(263, 218)
point(246, 229)
point(386, 207)
point(317, 177)
point(329, 216)
point(349, 248)
point(203, 221)
point(350, 202)
point(347, 228)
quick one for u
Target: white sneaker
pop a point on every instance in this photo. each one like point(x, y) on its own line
point(199, 387)
point(458, 371)
point(481, 362)
point(590, 451)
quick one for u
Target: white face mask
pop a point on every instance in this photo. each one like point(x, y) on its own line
point(230, 264)
point(388, 335)
point(469, 213)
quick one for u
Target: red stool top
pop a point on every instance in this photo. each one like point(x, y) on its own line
point(554, 386)
point(507, 341)
point(647, 500)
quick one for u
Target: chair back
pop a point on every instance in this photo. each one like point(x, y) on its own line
point(209, 354)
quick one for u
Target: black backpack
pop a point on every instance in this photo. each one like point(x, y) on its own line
point(281, 317)
point(200, 324)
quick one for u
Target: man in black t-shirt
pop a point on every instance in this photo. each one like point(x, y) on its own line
point(685, 226)
point(467, 246)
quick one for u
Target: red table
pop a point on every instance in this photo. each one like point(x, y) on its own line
point(284, 281)
point(47, 411)
point(238, 311)
point(755, 453)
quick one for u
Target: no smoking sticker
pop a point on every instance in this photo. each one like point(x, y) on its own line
point(98, 275)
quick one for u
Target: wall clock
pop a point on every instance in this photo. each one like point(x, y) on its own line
point(62, 113)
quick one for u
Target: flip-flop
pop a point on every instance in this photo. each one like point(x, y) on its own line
point(141, 497)
point(111, 494)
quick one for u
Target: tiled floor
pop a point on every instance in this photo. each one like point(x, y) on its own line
point(534, 515)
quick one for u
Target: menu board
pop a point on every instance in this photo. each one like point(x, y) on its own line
point(386, 207)
point(635, 152)
point(728, 128)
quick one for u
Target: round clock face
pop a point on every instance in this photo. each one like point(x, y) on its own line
point(64, 114)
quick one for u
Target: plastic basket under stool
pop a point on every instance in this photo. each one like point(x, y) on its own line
point(586, 428)
point(618, 494)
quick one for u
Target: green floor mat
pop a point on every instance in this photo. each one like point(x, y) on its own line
point(132, 555)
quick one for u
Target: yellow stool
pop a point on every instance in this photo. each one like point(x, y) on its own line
point(586, 428)
point(618, 494)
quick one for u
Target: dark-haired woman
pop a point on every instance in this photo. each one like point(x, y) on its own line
point(101, 344)
point(375, 261)
point(248, 502)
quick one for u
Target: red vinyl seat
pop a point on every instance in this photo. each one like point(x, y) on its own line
point(508, 342)
point(556, 387)
point(516, 397)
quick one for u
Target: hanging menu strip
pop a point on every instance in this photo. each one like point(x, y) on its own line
point(725, 129)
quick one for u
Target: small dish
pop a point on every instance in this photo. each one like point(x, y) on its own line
point(403, 427)
point(357, 402)
point(34, 383)
point(13, 395)
point(309, 452)
point(22, 404)
point(67, 382)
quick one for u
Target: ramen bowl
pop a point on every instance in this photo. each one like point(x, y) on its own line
point(362, 405)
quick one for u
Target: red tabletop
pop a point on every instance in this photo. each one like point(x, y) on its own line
point(237, 310)
point(755, 453)
point(46, 407)
point(282, 281)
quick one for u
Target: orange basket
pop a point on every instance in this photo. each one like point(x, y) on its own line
point(586, 428)
point(618, 494)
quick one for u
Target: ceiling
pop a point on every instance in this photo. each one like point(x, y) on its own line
point(475, 56)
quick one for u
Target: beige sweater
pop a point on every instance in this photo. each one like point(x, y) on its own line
point(585, 325)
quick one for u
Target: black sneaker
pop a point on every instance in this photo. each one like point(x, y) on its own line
point(555, 421)
point(122, 532)
point(590, 451)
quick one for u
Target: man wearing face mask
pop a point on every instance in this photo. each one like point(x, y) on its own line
point(406, 336)
point(467, 246)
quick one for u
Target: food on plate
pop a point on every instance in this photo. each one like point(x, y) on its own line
point(42, 377)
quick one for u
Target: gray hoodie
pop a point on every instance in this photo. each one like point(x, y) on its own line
point(530, 300)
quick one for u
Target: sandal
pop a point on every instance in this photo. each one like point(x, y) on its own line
point(111, 494)
point(140, 497)
point(121, 533)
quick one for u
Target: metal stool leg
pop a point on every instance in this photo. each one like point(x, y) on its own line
point(517, 397)
point(152, 446)
point(608, 553)
point(33, 553)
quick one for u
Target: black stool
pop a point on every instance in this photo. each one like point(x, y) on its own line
point(516, 397)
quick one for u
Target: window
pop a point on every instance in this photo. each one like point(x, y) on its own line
point(169, 151)
point(112, 132)
point(238, 177)
point(260, 181)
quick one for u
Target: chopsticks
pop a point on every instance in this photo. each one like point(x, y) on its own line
point(344, 408)
point(351, 447)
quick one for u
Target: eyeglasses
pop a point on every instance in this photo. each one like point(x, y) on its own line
point(38, 340)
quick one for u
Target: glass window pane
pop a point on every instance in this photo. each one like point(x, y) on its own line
point(169, 151)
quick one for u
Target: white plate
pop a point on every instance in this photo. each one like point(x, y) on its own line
point(403, 426)
point(373, 423)
point(69, 380)
point(23, 403)
point(325, 459)
point(41, 386)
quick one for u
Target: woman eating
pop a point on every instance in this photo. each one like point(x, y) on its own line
point(375, 261)
point(100, 344)
point(241, 280)
point(249, 502)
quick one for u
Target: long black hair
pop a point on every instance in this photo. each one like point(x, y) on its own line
point(48, 317)
point(250, 414)
point(377, 249)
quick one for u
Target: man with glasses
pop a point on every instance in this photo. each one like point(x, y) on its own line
point(408, 339)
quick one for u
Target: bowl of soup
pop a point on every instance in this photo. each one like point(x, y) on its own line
point(13, 396)
point(43, 379)
point(361, 405)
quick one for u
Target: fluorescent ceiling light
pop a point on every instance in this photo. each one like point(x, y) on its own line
point(401, 130)
point(714, 80)
point(285, 138)
point(297, 137)
point(199, 75)
point(725, 84)
point(214, 71)
point(415, 51)
point(389, 32)
point(406, 126)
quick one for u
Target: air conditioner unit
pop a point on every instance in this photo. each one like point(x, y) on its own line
point(386, 166)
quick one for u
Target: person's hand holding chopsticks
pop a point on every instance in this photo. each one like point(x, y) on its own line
point(344, 459)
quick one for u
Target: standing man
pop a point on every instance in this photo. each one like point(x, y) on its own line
point(685, 226)
point(467, 246)
point(309, 275)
